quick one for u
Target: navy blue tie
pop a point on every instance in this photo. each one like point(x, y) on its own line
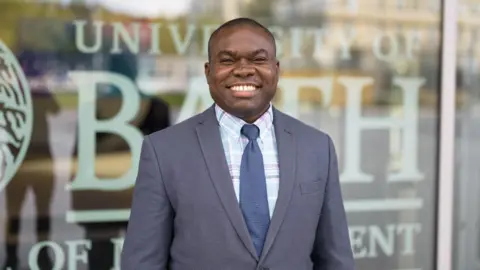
point(253, 189)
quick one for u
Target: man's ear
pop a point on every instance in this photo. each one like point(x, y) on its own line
point(207, 70)
point(277, 66)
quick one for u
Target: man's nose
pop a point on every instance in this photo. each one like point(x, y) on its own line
point(244, 69)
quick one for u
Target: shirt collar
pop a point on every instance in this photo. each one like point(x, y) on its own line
point(232, 124)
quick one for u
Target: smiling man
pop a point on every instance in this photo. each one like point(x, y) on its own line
point(240, 185)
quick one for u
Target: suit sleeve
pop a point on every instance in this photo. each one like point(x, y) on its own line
point(149, 233)
point(332, 250)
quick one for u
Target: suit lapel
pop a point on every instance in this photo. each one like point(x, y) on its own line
point(211, 144)
point(287, 156)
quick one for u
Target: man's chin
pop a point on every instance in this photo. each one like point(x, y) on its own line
point(247, 112)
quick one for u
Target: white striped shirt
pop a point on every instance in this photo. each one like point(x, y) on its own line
point(234, 144)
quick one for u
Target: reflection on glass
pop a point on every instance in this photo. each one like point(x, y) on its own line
point(39, 182)
point(467, 232)
point(364, 71)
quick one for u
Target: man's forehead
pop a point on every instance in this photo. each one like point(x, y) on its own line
point(226, 36)
point(241, 29)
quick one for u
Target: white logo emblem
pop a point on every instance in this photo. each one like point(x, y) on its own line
point(15, 115)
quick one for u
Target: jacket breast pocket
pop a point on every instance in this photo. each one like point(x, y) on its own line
point(311, 187)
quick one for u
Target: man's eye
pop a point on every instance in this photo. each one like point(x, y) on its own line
point(226, 60)
point(260, 59)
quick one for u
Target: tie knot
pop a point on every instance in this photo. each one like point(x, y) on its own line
point(250, 131)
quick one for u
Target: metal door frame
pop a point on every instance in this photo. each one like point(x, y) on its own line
point(446, 145)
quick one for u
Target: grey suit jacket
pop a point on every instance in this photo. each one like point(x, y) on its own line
point(185, 215)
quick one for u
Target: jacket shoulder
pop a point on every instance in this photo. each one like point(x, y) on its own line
point(303, 130)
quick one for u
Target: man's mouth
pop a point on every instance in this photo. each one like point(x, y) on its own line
point(244, 87)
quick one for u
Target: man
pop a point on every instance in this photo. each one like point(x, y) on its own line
point(241, 185)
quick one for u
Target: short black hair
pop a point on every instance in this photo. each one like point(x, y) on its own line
point(240, 22)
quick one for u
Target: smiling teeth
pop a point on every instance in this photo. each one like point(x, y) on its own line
point(243, 88)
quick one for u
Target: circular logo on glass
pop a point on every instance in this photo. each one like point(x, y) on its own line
point(15, 115)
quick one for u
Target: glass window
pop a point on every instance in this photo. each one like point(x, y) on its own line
point(81, 83)
point(467, 173)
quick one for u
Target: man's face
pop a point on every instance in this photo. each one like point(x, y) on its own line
point(242, 72)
